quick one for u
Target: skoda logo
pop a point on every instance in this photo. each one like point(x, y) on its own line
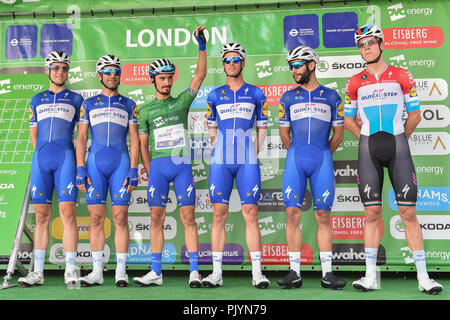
point(322, 66)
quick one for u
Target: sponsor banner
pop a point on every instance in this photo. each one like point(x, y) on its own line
point(350, 227)
point(434, 227)
point(198, 123)
point(272, 148)
point(204, 224)
point(203, 201)
point(141, 253)
point(428, 199)
point(353, 254)
point(57, 254)
point(274, 92)
point(339, 66)
point(233, 254)
point(269, 226)
point(202, 95)
point(347, 199)
point(139, 228)
point(83, 225)
point(278, 254)
point(139, 202)
point(434, 116)
point(433, 89)
point(345, 171)
point(429, 143)
point(413, 37)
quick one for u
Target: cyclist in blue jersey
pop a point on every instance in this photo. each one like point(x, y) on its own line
point(110, 118)
point(379, 95)
point(233, 110)
point(53, 114)
point(307, 115)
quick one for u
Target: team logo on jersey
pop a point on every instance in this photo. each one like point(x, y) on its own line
point(280, 111)
point(31, 113)
point(347, 99)
point(413, 91)
point(82, 111)
point(209, 112)
point(265, 110)
point(340, 109)
point(135, 112)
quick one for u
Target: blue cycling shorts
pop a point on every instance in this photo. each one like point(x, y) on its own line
point(53, 167)
point(165, 170)
point(108, 169)
point(305, 162)
point(221, 179)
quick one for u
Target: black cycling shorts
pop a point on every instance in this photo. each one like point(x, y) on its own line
point(381, 150)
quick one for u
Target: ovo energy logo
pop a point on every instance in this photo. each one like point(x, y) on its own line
point(5, 86)
point(397, 12)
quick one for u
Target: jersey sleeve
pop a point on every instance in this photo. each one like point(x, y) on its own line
point(84, 113)
point(351, 98)
point(78, 101)
point(283, 111)
point(143, 127)
point(133, 115)
point(409, 90)
point(211, 113)
point(187, 97)
point(262, 111)
point(32, 110)
point(337, 110)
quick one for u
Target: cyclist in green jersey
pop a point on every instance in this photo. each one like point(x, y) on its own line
point(165, 153)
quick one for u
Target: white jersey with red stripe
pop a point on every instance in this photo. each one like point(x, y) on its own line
point(380, 100)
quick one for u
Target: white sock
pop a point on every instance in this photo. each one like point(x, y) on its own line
point(97, 258)
point(371, 261)
point(39, 260)
point(326, 258)
point(294, 260)
point(256, 262)
point(217, 261)
point(121, 262)
point(71, 259)
point(421, 264)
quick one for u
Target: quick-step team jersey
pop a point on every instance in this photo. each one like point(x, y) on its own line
point(109, 118)
point(55, 116)
point(310, 115)
point(234, 114)
point(380, 101)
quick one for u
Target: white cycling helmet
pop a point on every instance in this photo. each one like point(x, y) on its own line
point(161, 66)
point(57, 56)
point(233, 47)
point(302, 53)
point(108, 60)
point(368, 30)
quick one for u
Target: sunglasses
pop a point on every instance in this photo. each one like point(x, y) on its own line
point(228, 60)
point(58, 68)
point(296, 64)
point(369, 43)
point(166, 69)
point(110, 71)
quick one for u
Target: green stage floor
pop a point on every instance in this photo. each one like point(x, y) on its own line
point(237, 286)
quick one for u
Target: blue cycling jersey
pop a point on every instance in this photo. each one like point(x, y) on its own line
point(234, 114)
point(55, 115)
point(310, 116)
point(53, 164)
point(108, 162)
point(234, 156)
point(108, 118)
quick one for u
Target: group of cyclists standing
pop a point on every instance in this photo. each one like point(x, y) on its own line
point(157, 135)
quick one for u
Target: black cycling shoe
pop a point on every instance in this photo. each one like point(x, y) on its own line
point(290, 280)
point(332, 282)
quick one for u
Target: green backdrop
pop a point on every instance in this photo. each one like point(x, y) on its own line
point(415, 39)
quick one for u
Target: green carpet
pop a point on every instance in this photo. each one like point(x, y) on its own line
point(237, 286)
